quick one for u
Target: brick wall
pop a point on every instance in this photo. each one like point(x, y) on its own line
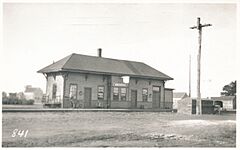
point(139, 84)
point(86, 80)
point(93, 81)
point(145, 105)
point(120, 104)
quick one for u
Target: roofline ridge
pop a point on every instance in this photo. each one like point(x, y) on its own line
point(70, 56)
point(108, 58)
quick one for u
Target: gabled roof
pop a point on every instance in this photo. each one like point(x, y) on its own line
point(100, 65)
point(179, 95)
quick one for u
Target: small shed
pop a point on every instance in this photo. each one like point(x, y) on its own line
point(178, 96)
point(228, 102)
point(188, 106)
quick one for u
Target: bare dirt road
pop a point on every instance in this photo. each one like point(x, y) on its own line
point(118, 129)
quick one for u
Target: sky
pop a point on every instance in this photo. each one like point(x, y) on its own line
point(158, 34)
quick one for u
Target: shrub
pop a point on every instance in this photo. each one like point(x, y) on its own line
point(31, 102)
point(18, 101)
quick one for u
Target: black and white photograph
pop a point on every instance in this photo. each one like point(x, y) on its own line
point(119, 74)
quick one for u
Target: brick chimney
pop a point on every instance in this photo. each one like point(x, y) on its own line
point(99, 52)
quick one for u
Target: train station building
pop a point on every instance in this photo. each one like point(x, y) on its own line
point(81, 81)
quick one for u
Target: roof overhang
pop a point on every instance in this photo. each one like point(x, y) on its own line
point(105, 73)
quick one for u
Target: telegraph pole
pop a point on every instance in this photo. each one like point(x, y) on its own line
point(199, 28)
point(189, 76)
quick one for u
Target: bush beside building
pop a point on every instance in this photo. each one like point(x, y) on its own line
point(17, 102)
point(30, 96)
point(14, 99)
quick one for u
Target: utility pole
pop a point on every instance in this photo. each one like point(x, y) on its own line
point(189, 76)
point(199, 28)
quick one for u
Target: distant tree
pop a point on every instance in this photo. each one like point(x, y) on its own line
point(4, 95)
point(230, 89)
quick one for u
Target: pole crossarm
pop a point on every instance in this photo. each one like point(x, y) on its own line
point(205, 25)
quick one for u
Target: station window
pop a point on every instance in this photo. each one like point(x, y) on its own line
point(156, 88)
point(115, 94)
point(145, 95)
point(100, 92)
point(123, 94)
point(73, 91)
point(54, 91)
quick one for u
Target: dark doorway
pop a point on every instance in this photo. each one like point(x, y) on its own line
point(156, 97)
point(134, 98)
point(194, 106)
point(87, 97)
point(219, 103)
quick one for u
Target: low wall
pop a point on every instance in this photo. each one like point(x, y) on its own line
point(120, 104)
point(145, 105)
point(114, 104)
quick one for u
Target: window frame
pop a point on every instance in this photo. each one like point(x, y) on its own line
point(144, 95)
point(117, 93)
point(100, 92)
point(123, 93)
point(70, 91)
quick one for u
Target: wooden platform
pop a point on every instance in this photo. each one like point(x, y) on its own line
point(86, 110)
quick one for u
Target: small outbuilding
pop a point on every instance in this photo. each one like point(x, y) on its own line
point(178, 96)
point(228, 102)
point(34, 93)
point(188, 106)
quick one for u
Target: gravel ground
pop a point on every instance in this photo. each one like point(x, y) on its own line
point(118, 129)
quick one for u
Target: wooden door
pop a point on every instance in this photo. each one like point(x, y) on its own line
point(87, 97)
point(134, 98)
point(156, 97)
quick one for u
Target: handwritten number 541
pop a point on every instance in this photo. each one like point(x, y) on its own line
point(20, 133)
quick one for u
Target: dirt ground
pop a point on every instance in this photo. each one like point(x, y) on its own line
point(118, 129)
